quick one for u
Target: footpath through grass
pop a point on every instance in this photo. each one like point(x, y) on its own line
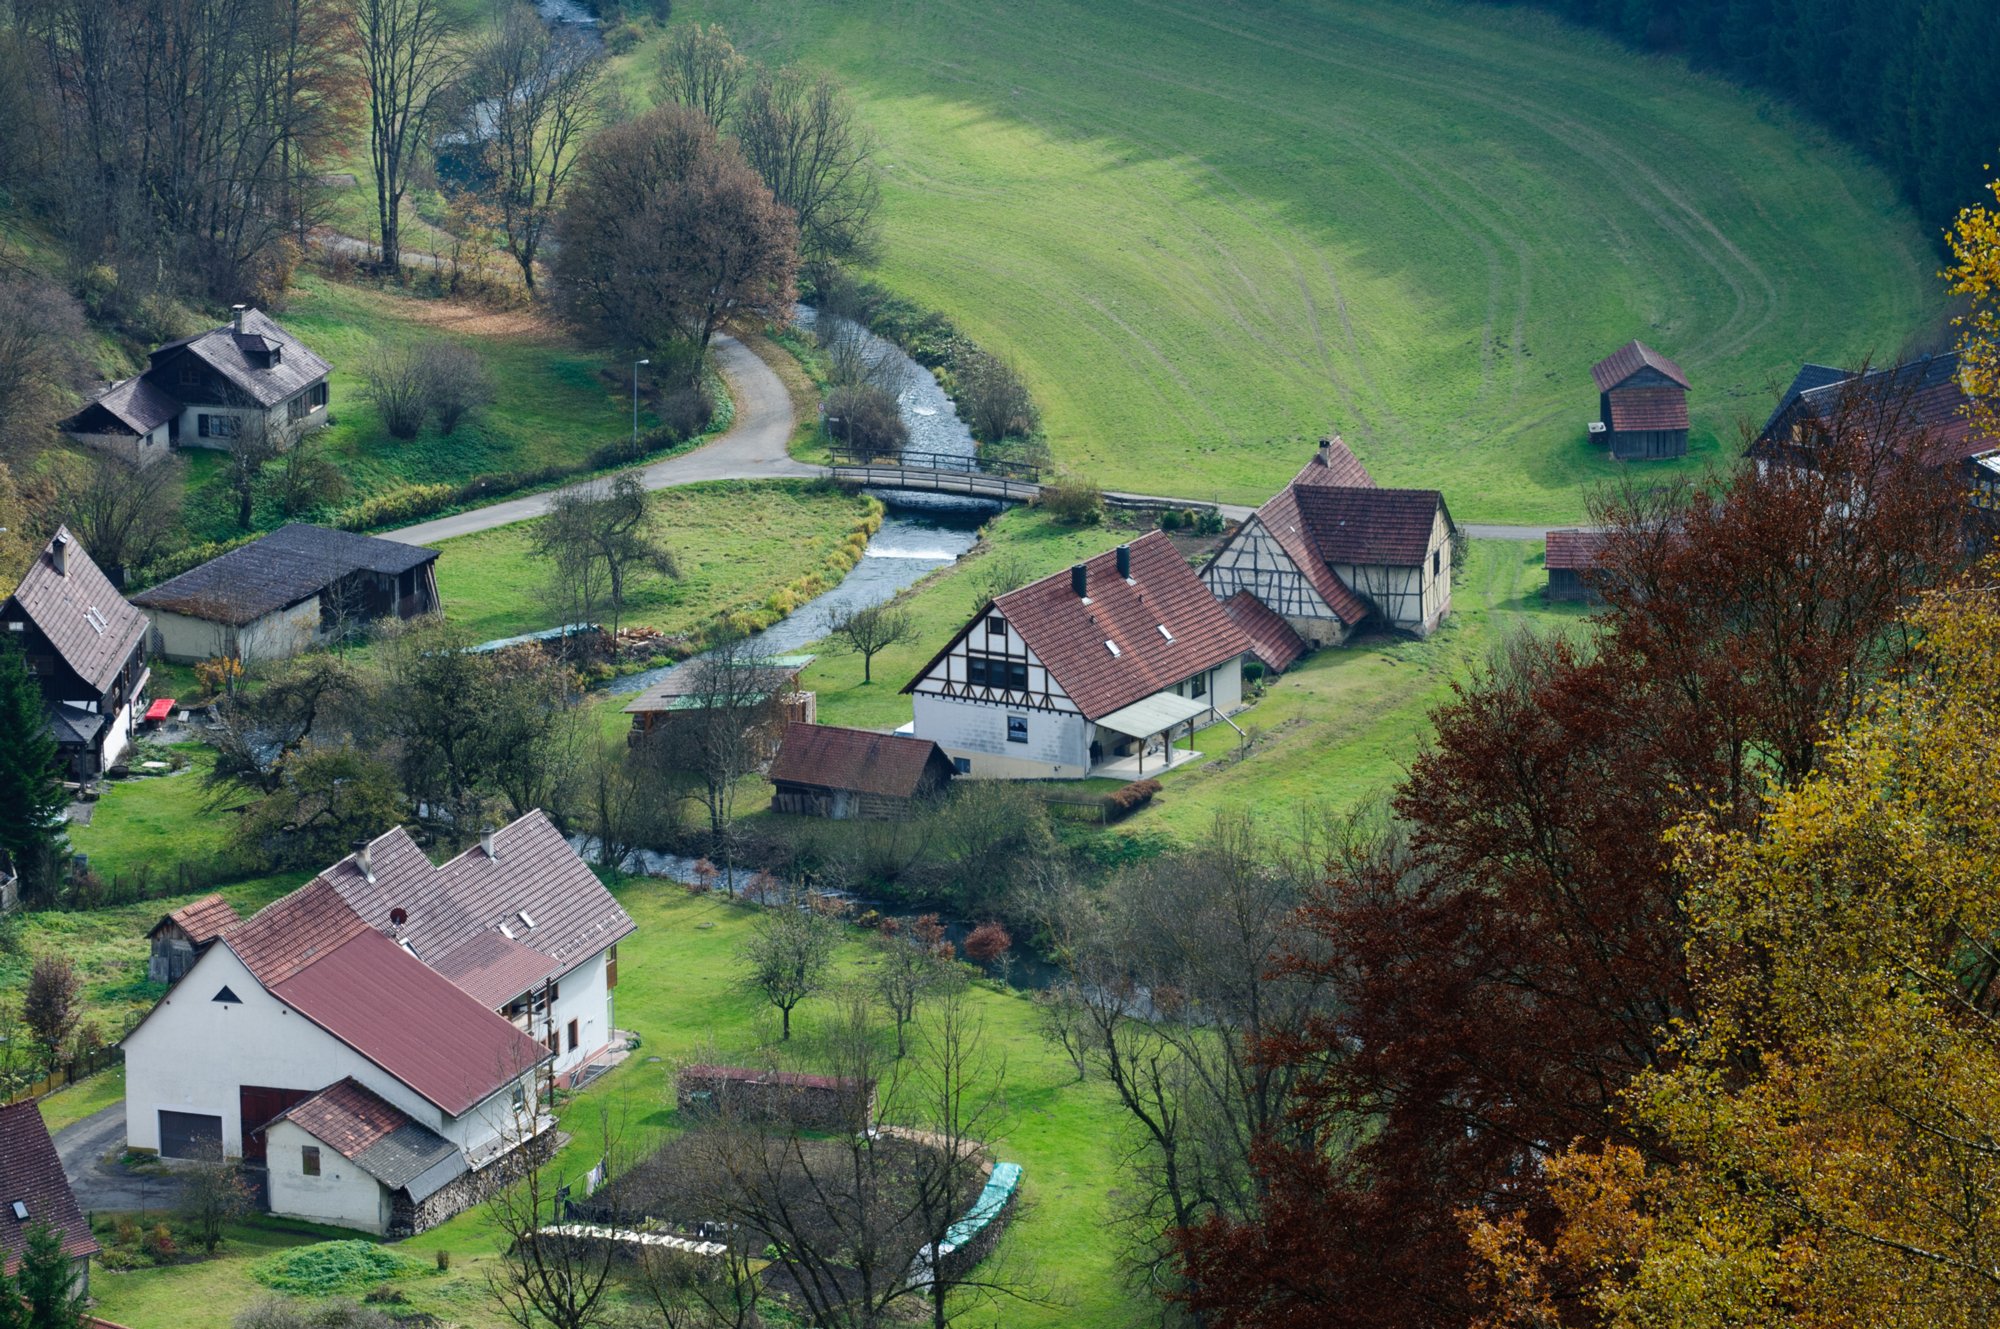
point(1209, 231)
point(678, 989)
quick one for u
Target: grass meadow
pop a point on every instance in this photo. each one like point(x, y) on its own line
point(1208, 232)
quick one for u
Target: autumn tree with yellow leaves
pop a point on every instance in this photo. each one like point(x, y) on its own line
point(1828, 1127)
point(1975, 245)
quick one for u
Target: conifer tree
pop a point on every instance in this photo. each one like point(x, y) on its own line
point(31, 794)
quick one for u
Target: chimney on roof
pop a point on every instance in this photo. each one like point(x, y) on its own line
point(1325, 455)
point(1125, 561)
point(236, 316)
point(361, 859)
point(1079, 580)
point(59, 553)
point(486, 843)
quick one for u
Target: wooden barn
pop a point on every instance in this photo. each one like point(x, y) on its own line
point(827, 771)
point(1642, 401)
point(1571, 560)
point(179, 938)
point(763, 689)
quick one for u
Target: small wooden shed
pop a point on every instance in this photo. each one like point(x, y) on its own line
point(180, 937)
point(1571, 560)
point(1642, 400)
point(828, 771)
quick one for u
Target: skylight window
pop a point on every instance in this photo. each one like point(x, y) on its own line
point(1112, 647)
point(95, 619)
point(21, 1210)
point(1164, 633)
point(526, 921)
point(506, 932)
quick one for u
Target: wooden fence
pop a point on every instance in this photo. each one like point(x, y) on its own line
point(67, 1074)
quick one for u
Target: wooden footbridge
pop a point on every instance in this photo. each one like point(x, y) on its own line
point(941, 473)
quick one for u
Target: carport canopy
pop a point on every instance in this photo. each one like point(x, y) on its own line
point(1152, 715)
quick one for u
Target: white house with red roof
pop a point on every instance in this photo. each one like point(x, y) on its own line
point(1332, 551)
point(388, 1002)
point(1097, 669)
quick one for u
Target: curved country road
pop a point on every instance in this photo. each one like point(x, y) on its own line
point(753, 448)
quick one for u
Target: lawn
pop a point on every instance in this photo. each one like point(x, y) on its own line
point(738, 545)
point(677, 990)
point(1208, 232)
point(554, 405)
point(154, 824)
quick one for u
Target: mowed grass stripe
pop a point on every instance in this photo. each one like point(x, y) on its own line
point(1209, 232)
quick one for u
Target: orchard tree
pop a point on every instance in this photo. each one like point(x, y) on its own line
point(871, 631)
point(52, 1006)
point(788, 955)
point(667, 235)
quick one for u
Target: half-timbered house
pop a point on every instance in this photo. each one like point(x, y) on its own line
point(1103, 666)
point(1332, 550)
point(1642, 401)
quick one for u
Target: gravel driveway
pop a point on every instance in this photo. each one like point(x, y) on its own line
point(90, 1150)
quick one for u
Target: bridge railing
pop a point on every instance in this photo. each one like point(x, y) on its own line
point(977, 484)
point(940, 461)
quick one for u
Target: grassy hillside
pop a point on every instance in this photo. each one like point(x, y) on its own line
point(1206, 231)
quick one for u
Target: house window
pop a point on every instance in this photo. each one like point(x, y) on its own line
point(1198, 685)
point(996, 626)
point(611, 967)
point(317, 395)
point(1017, 729)
point(1437, 561)
point(573, 1040)
point(309, 1160)
point(520, 1098)
point(555, 1042)
point(216, 426)
point(297, 408)
point(963, 765)
point(992, 671)
point(188, 374)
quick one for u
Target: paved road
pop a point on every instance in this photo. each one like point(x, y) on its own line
point(752, 448)
point(101, 1185)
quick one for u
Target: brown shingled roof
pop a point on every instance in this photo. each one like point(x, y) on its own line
point(1069, 636)
point(830, 757)
point(1390, 527)
point(1287, 525)
point(203, 920)
point(231, 354)
point(1334, 464)
point(1574, 550)
point(348, 1116)
point(81, 613)
point(1923, 399)
point(1271, 638)
point(31, 1173)
point(1649, 408)
point(1628, 360)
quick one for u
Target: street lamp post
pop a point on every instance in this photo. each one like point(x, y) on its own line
point(635, 400)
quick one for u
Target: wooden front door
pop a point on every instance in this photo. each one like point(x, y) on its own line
point(259, 1107)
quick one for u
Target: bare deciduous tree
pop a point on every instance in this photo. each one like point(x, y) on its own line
point(213, 1195)
point(913, 962)
point(393, 379)
point(42, 336)
point(800, 133)
point(596, 528)
point(550, 1275)
point(788, 955)
point(734, 708)
point(545, 89)
point(302, 478)
point(124, 514)
point(258, 441)
point(455, 383)
point(410, 57)
point(868, 632)
point(52, 1006)
point(700, 70)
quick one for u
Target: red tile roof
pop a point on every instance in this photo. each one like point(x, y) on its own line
point(203, 920)
point(1923, 399)
point(31, 1173)
point(444, 905)
point(1628, 360)
point(1280, 515)
point(1387, 527)
point(1333, 464)
point(1271, 638)
point(1069, 636)
point(318, 956)
point(1649, 408)
point(81, 613)
point(829, 757)
point(490, 968)
point(1574, 550)
point(348, 1116)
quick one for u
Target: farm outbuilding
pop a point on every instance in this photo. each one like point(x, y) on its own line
point(179, 938)
point(295, 588)
point(1642, 402)
point(829, 771)
point(1571, 559)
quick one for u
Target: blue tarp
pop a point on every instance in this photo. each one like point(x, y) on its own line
point(999, 1189)
point(547, 634)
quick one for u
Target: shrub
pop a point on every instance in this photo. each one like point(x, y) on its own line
point(1071, 502)
point(1122, 802)
point(455, 384)
point(988, 942)
point(402, 504)
point(1209, 522)
point(158, 1242)
point(329, 1268)
point(991, 398)
point(174, 564)
point(394, 380)
point(278, 1313)
point(864, 419)
point(1170, 520)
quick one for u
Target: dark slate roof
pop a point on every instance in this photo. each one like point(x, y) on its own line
point(1628, 360)
point(1810, 376)
point(1386, 527)
point(1573, 550)
point(1922, 397)
point(315, 954)
point(445, 906)
point(31, 1173)
point(1648, 409)
point(237, 358)
point(203, 920)
point(82, 614)
point(290, 564)
point(371, 1133)
point(137, 403)
point(1334, 464)
point(73, 725)
point(1271, 638)
point(1069, 636)
point(829, 757)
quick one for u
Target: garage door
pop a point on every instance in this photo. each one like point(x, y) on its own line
point(190, 1135)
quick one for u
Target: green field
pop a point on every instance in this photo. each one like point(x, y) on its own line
point(1207, 232)
point(677, 989)
point(738, 546)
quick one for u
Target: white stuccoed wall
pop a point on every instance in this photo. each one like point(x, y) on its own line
point(342, 1194)
point(1058, 742)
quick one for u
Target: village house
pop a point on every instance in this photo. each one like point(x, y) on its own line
point(86, 648)
point(1097, 670)
point(34, 1190)
point(180, 937)
point(764, 688)
point(381, 1040)
point(1571, 557)
point(1642, 404)
point(298, 587)
point(1922, 403)
point(1331, 551)
point(202, 391)
point(827, 771)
